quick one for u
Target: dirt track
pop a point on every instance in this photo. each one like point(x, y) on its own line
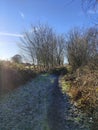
point(59, 111)
point(39, 105)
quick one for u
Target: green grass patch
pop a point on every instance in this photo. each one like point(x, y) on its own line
point(65, 85)
point(45, 75)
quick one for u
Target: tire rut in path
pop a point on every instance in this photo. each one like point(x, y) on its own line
point(59, 107)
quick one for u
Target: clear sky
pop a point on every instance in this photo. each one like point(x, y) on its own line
point(18, 15)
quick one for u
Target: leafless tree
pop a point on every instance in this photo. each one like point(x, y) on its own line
point(82, 47)
point(77, 48)
point(43, 46)
point(89, 4)
point(60, 49)
point(92, 40)
point(90, 8)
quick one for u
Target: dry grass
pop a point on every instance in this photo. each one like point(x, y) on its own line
point(83, 91)
point(13, 75)
point(84, 88)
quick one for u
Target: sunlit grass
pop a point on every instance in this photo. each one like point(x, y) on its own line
point(65, 86)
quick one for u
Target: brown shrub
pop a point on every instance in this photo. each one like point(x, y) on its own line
point(84, 89)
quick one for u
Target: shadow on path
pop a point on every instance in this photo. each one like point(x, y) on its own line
point(58, 111)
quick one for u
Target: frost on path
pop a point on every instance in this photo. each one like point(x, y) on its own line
point(26, 107)
point(38, 105)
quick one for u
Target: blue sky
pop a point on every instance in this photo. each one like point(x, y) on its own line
point(18, 15)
